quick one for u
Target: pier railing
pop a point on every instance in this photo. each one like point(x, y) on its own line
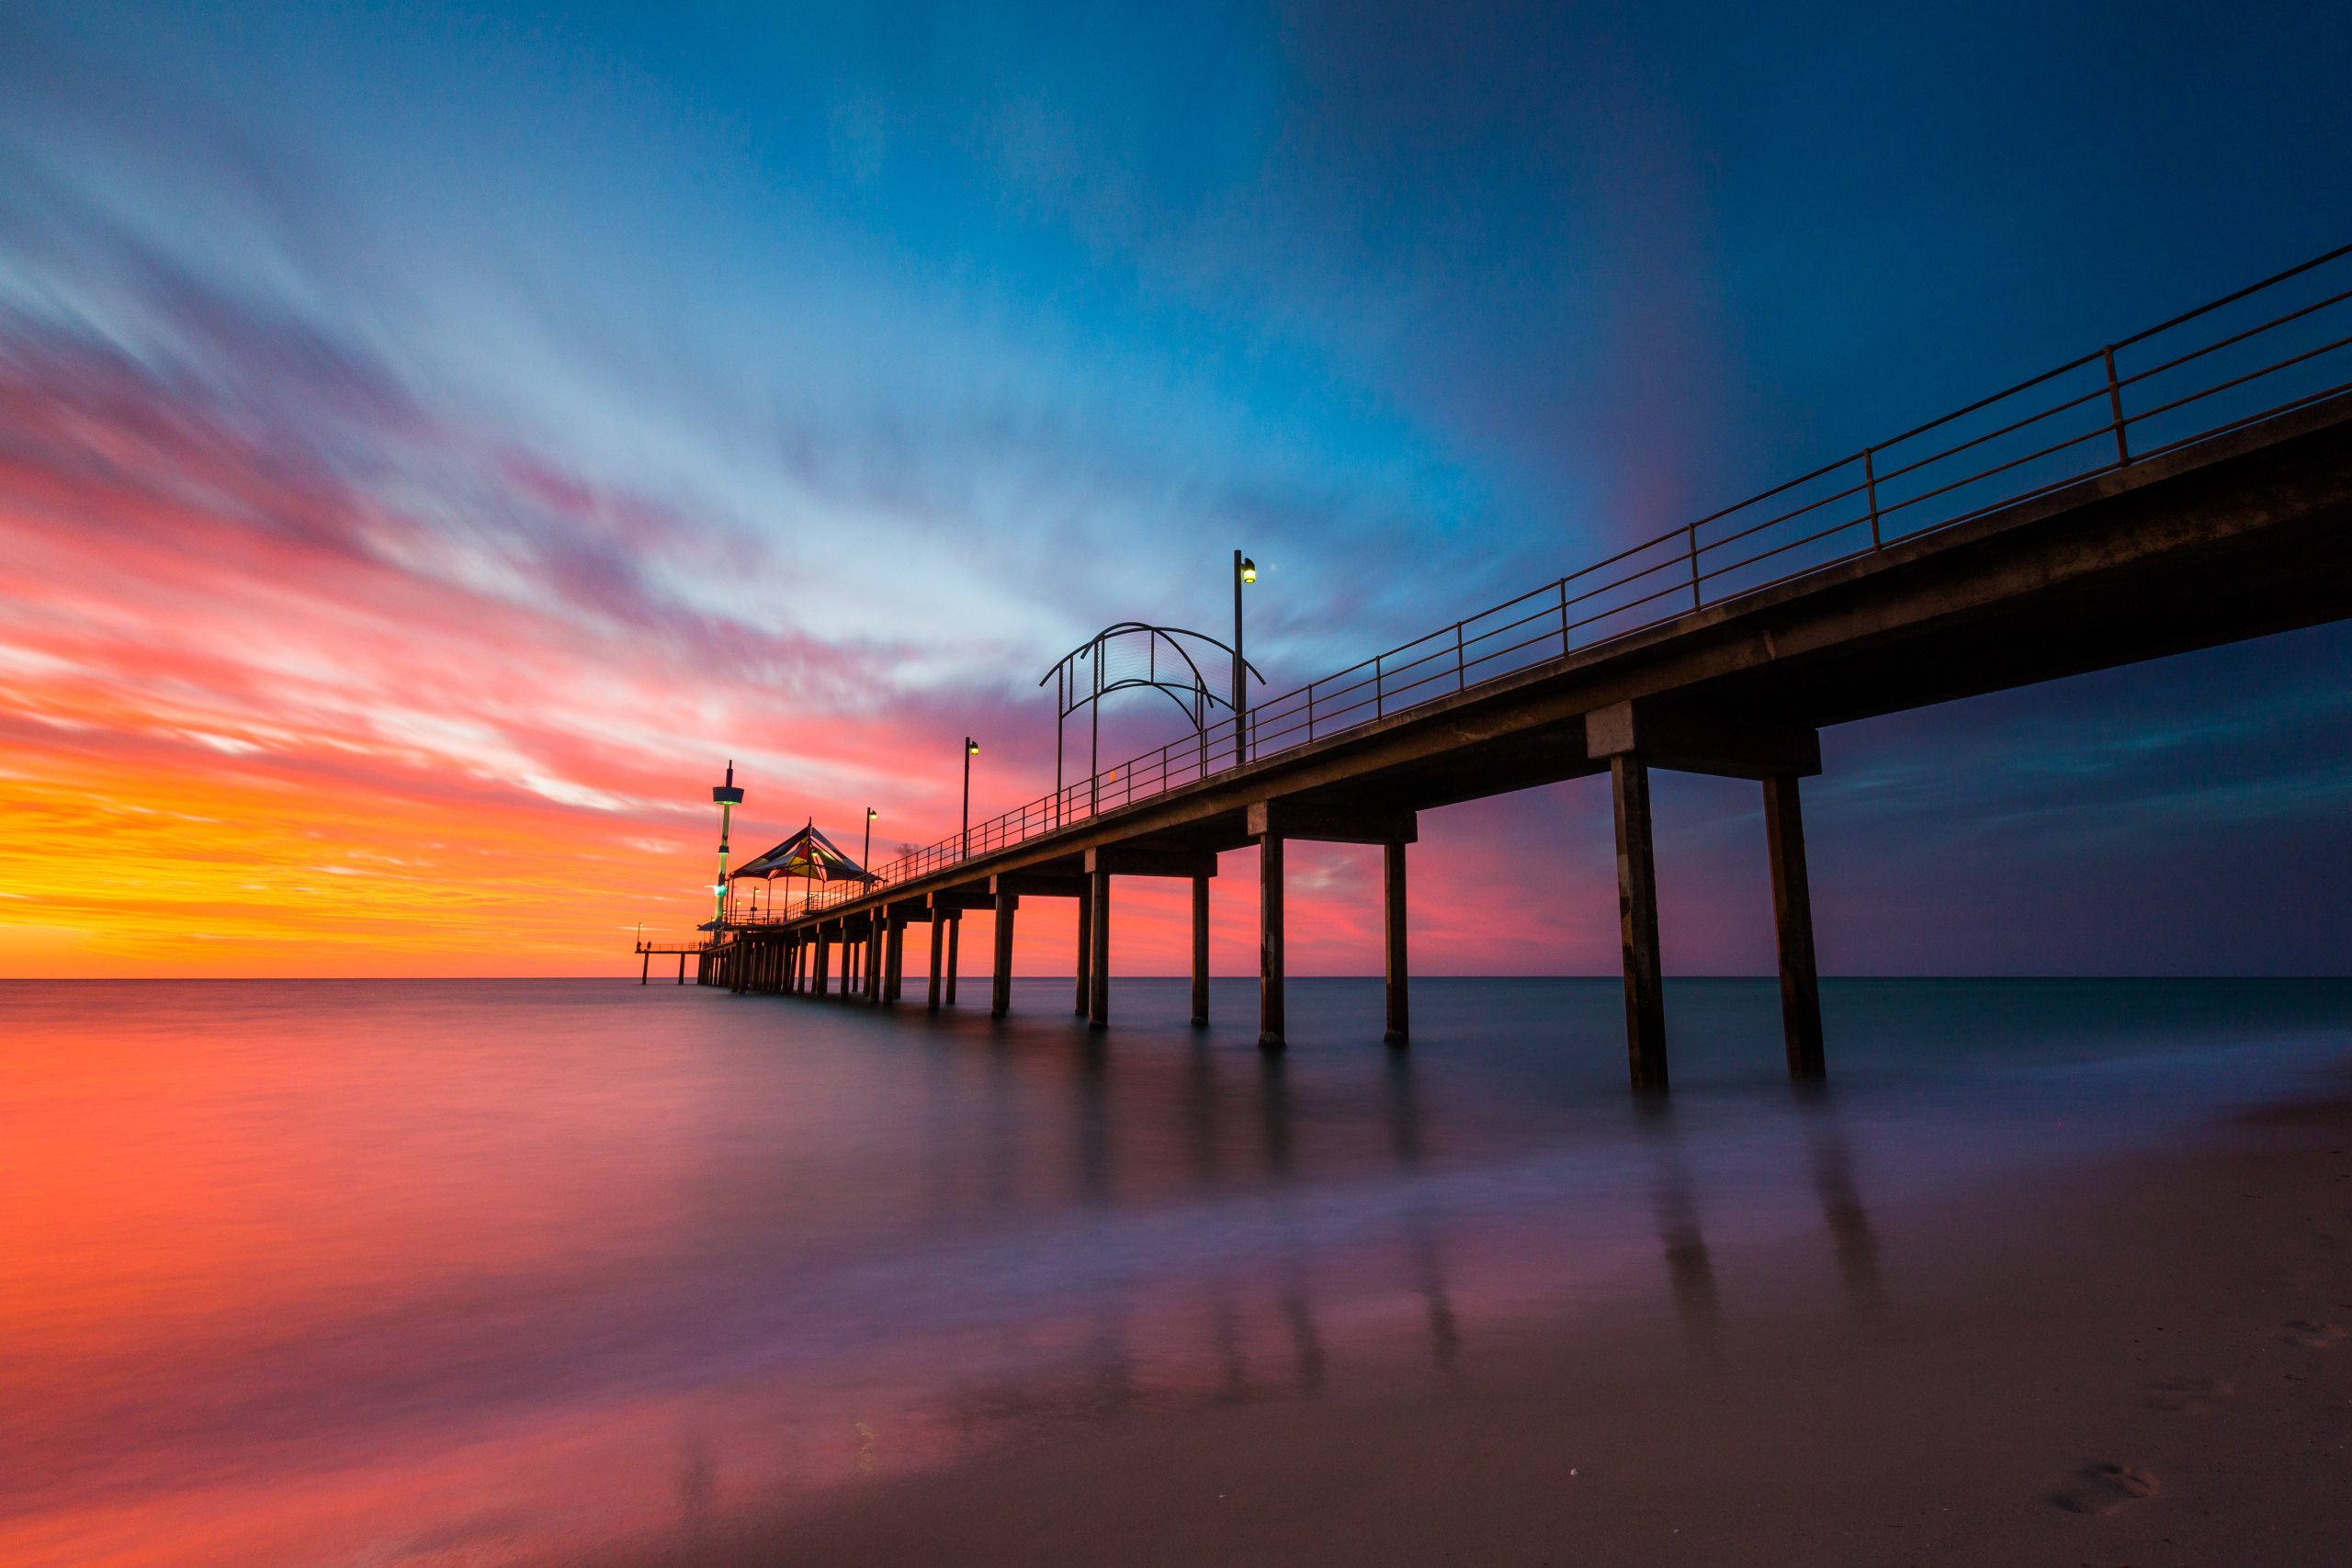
point(2263, 351)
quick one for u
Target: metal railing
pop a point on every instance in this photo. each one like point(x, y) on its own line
point(2209, 371)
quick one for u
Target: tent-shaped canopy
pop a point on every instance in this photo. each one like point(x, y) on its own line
point(807, 853)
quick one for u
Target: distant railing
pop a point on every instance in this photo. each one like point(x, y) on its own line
point(2211, 371)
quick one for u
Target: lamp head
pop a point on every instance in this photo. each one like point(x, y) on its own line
point(971, 747)
point(1249, 570)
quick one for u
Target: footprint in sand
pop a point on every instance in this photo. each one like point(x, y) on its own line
point(2191, 1396)
point(2103, 1488)
point(2313, 1336)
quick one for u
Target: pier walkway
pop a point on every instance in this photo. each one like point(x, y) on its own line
point(2188, 486)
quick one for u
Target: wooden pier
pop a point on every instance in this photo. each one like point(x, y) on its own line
point(2238, 531)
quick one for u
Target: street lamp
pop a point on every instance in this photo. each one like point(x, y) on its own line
point(865, 855)
point(1244, 570)
point(971, 750)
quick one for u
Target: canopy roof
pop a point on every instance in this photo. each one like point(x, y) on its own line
point(807, 853)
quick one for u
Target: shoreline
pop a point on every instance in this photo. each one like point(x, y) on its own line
point(2148, 1365)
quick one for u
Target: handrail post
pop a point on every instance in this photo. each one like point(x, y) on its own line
point(1377, 708)
point(1461, 671)
point(1310, 710)
point(2115, 407)
point(1564, 617)
point(1870, 483)
point(1692, 533)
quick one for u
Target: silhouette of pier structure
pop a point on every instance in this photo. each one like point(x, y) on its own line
point(2187, 487)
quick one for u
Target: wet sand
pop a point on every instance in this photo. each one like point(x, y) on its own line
point(2142, 1363)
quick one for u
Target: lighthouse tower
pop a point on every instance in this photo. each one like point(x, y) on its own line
point(728, 796)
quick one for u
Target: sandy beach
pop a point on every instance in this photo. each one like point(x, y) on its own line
point(2145, 1364)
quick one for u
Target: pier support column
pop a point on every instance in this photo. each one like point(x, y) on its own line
point(955, 931)
point(823, 973)
point(682, 966)
point(1094, 916)
point(1000, 978)
point(1270, 942)
point(1392, 897)
point(894, 959)
point(645, 970)
point(1200, 953)
point(938, 940)
point(1792, 923)
point(1085, 1004)
point(1629, 788)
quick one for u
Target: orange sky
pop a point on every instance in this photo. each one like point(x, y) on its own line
point(255, 723)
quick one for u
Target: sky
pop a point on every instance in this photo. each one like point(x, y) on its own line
point(436, 440)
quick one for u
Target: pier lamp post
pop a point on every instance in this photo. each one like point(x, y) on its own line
point(1244, 570)
point(865, 855)
point(971, 750)
point(728, 796)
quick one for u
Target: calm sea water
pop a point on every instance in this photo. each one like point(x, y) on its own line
point(382, 1272)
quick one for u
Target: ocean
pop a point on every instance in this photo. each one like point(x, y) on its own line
point(489, 1271)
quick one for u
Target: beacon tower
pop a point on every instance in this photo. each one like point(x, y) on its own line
point(728, 796)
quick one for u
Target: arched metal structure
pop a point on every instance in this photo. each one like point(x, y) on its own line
point(1138, 656)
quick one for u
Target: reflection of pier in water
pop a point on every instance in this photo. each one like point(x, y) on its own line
point(1247, 1331)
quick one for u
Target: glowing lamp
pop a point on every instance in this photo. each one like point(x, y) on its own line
point(1249, 570)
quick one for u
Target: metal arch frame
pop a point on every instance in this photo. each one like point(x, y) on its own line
point(1192, 699)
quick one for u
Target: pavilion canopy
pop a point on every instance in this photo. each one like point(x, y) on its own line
point(807, 853)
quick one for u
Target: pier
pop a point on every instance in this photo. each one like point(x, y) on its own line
point(2188, 486)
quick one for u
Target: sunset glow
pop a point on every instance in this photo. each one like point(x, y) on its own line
point(382, 587)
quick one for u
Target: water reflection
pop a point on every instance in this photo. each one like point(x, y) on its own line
point(642, 1254)
point(1689, 1269)
point(1852, 1236)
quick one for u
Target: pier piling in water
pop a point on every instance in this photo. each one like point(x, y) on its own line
point(1269, 942)
point(955, 931)
point(1793, 928)
point(938, 944)
point(1391, 904)
point(1001, 976)
point(1200, 949)
point(1629, 796)
point(1085, 1000)
point(1094, 915)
